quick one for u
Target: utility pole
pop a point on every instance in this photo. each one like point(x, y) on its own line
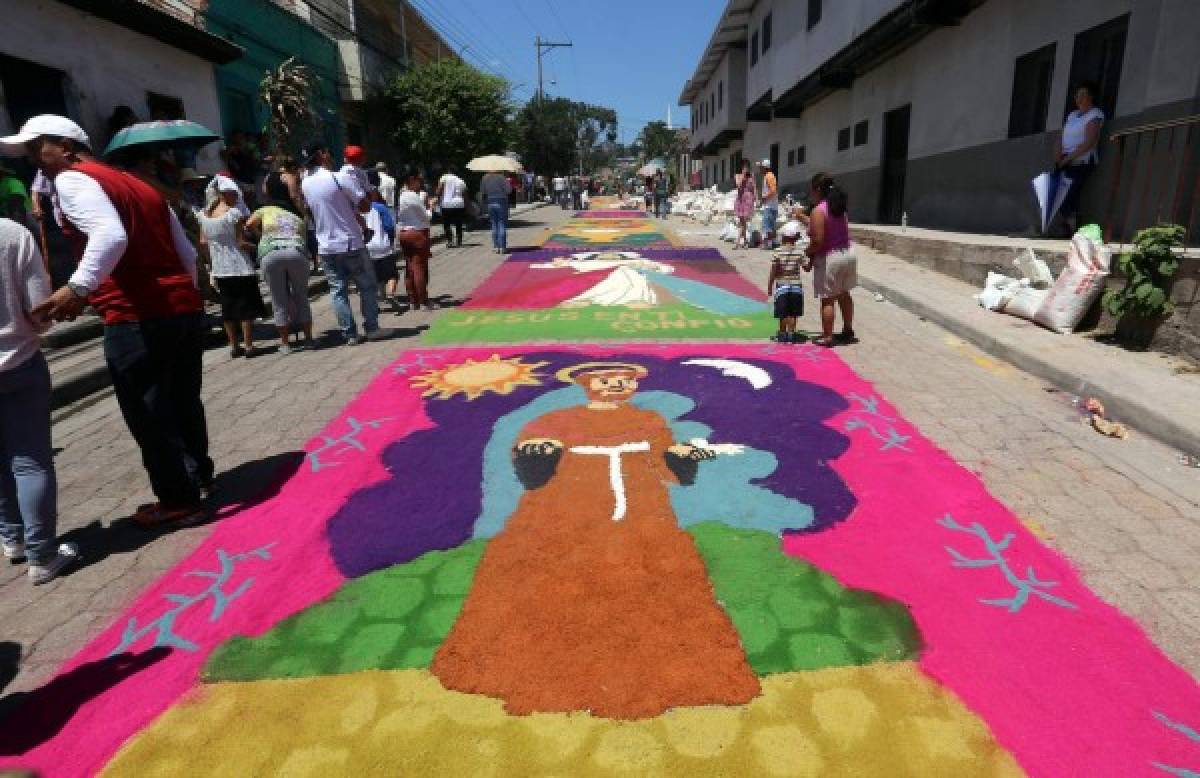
point(541, 46)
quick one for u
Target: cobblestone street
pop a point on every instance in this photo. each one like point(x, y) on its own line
point(1125, 512)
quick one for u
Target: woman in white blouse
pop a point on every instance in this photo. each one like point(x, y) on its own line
point(413, 215)
point(1076, 154)
point(235, 276)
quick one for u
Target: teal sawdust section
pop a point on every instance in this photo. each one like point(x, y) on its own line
point(791, 615)
point(391, 619)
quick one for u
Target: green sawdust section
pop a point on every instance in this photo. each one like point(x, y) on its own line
point(789, 615)
point(597, 322)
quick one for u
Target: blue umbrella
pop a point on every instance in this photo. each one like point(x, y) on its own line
point(1051, 189)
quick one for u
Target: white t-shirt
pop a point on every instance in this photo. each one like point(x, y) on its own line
point(560, 184)
point(453, 189)
point(360, 174)
point(1074, 133)
point(333, 199)
point(381, 242)
point(411, 213)
point(23, 284)
point(387, 189)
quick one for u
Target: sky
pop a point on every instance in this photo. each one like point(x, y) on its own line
point(630, 55)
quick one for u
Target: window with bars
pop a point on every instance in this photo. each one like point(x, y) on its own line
point(843, 139)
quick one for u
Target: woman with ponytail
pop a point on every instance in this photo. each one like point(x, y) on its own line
point(835, 268)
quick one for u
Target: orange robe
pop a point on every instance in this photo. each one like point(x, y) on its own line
point(573, 610)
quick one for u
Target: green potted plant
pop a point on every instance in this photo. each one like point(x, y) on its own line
point(1144, 302)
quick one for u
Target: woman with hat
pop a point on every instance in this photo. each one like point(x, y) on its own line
point(221, 226)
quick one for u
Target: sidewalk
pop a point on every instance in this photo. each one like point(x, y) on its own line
point(1154, 393)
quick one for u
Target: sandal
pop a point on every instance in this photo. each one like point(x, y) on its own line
point(823, 342)
point(846, 336)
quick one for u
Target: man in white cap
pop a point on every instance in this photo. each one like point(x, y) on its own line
point(770, 204)
point(138, 270)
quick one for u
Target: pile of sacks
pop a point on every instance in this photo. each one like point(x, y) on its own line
point(1059, 304)
point(703, 205)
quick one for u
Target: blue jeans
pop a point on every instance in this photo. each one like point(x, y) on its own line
point(661, 204)
point(498, 215)
point(769, 218)
point(28, 489)
point(340, 269)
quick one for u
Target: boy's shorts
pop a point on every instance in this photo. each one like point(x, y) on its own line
point(789, 301)
point(385, 269)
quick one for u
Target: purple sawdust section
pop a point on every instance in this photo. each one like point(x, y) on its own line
point(435, 493)
point(662, 254)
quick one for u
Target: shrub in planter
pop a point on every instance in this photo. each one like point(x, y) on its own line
point(1144, 301)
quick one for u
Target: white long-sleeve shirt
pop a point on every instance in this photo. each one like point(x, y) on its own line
point(86, 206)
point(23, 284)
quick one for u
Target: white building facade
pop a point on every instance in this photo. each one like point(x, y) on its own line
point(57, 57)
point(938, 110)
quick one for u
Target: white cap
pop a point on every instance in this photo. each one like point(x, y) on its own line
point(765, 163)
point(790, 230)
point(226, 184)
point(38, 126)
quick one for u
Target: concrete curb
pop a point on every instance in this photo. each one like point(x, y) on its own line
point(1135, 411)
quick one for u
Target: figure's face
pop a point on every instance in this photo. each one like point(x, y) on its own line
point(1083, 99)
point(613, 386)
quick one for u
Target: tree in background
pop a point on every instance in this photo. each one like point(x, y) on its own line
point(657, 141)
point(448, 112)
point(554, 135)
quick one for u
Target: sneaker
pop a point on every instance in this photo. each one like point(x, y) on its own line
point(382, 333)
point(155, 515)
point(13, 552)
point(286, 349)
point(781, 337)
point(67, 555)
point(237, 351)
point(355, 340)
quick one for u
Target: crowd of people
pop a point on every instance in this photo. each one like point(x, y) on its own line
point(149, 239)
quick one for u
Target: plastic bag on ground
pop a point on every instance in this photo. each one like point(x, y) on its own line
point(1079, 285)
point(1036, 270)
point(997, 291)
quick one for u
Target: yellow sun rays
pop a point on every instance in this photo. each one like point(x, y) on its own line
point(472, 378)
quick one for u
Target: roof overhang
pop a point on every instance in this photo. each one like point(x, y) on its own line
point(722, 140)
point(762, 109)
point(730, 32)
point(162, 26)
point(883, 40)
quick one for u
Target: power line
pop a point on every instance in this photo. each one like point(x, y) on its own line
point(452, 22)
point(440, 24)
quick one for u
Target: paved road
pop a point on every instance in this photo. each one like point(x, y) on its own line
point(1126, 512)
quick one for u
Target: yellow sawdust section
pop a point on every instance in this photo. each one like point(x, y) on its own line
point(600, 232)
point(878, 720)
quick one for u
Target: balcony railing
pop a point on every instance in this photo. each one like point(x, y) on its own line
point(1156, 180)
point(190, 11)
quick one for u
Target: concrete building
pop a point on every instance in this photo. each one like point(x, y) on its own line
point(83, 59)
point(944, 110)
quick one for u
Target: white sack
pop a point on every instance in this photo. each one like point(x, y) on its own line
point(1077, 287)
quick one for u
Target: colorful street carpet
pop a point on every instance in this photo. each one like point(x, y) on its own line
point(570, 558)
point(650, 294)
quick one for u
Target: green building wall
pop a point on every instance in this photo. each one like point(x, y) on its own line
point(271, 35)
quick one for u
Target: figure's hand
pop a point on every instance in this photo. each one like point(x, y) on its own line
point(693, 453)
point(538, 447)
point(63, 305)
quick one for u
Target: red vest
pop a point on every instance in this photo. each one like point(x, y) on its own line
point(150, 280)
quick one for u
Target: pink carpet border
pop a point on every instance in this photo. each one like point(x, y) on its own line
point(1046, 679)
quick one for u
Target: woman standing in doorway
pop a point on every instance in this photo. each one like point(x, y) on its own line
point(1076, 154)
point(221, 225)
point(834, 266)
point(743, 203)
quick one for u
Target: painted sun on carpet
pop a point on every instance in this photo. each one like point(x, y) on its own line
point(536, 560)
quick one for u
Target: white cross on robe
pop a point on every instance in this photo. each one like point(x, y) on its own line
point(615, 478)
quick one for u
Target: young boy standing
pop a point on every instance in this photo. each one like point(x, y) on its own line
point(786, 287)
